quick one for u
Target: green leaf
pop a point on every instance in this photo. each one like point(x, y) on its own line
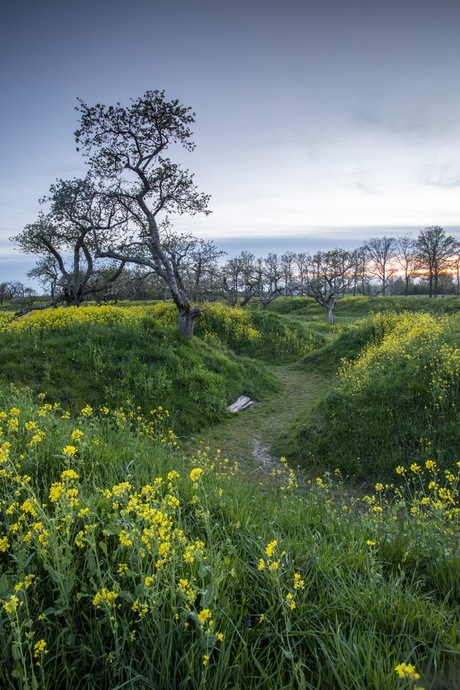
point(103, 546)
point(5, 584)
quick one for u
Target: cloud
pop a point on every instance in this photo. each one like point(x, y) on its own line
point(444, 175)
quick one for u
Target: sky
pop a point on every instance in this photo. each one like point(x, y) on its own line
point(318, 124)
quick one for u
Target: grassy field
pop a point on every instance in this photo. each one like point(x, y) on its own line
point(131, 558)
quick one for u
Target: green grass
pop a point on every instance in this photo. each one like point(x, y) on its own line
point(249, 437)
point(262, 335)
point(137, 565)
point(396, 401)
point(127, 561)
point(351, 308)
point(145, 362)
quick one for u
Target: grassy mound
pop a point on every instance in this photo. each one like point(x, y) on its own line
point(107, 355)
point(123, 564)
point(261, 335)
point(396, 402)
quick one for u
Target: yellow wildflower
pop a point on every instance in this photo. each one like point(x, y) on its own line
point(195, 474)
point(407, 671)
point(271, 548)
point(68, 474)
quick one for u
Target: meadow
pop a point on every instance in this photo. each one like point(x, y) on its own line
point(132, 557)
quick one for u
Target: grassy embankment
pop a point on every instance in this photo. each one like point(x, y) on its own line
point(109, 355)
point(397, 400)
point(125, 564)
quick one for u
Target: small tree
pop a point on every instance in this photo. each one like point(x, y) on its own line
point(46, 271)
point(332, 273)
point(287, 264)
point(302, 264)
point(124, 147)
point(5, 292)
point(194, 261)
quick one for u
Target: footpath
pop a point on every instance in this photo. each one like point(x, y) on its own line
point(248, 436)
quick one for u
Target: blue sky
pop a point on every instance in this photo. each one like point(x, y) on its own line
point(317, 124)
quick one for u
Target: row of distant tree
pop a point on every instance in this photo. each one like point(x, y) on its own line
point(109, 235)
point(426, 264)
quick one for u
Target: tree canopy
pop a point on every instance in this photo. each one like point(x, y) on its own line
point(124, 147)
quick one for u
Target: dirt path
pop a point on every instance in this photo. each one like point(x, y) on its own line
point(247, 436)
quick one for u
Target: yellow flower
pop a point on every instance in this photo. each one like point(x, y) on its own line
point(125, 538)
point(56, 490)
point(407, 671)
point(271, 548)
point(290, 601)
point(12, 604)
point(195, 474)
point(69, 474)
point(105, 597)
point(204, 615)
point(40, 648)
point(70, 451)
point(298, 582)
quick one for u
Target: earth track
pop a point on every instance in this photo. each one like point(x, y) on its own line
point(248, 436)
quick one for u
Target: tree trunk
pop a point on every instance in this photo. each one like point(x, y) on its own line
point(186, 320)
point(330, 313)
point(72, 296)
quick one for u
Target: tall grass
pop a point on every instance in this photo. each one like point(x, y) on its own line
point(124, 564)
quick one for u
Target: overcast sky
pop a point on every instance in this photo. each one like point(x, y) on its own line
point(318, 124)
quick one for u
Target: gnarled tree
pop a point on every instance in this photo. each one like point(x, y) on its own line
point(64, 239)
point(125, 147)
